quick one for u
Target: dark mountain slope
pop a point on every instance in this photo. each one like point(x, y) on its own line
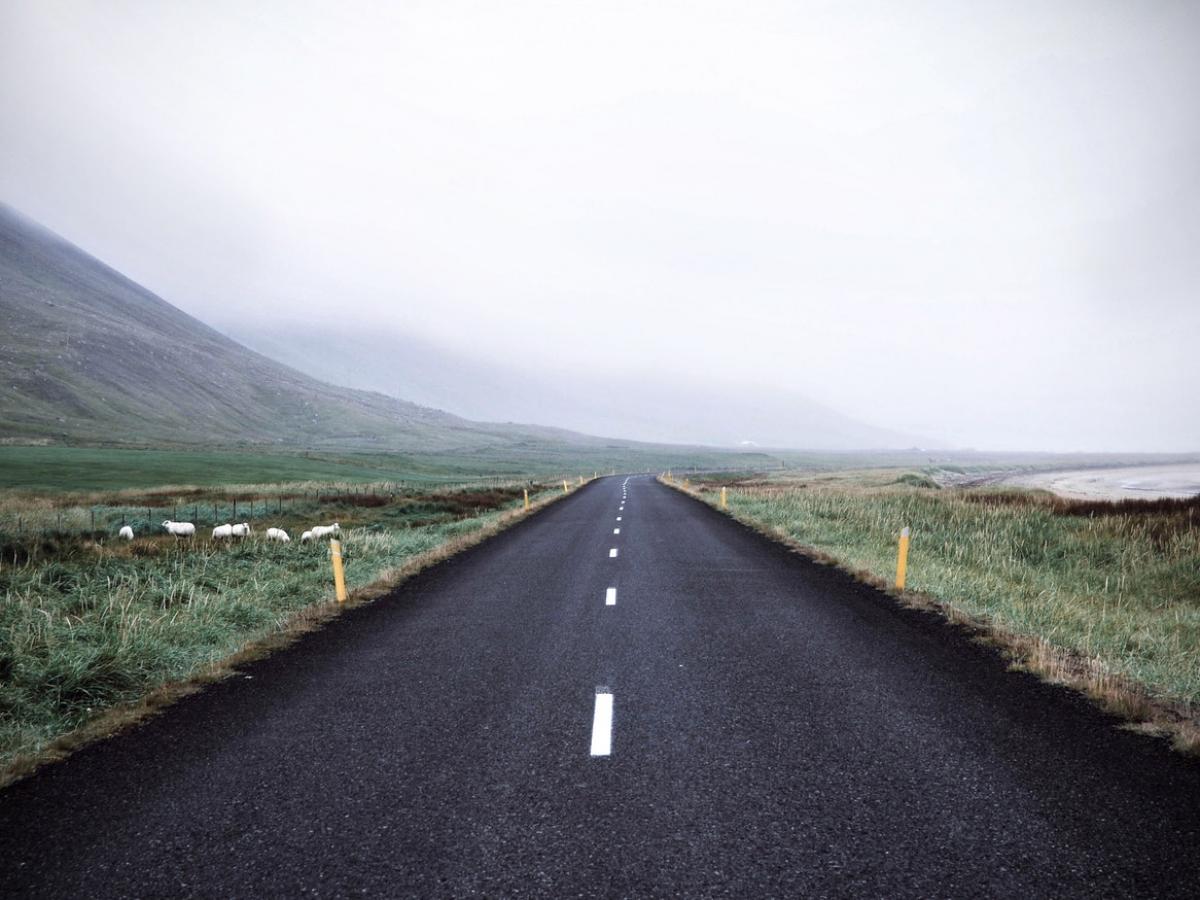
point(88, 355)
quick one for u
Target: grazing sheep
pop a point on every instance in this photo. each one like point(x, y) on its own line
point(222, 531)
point(242, 530)
point(306, 537)
point(320, 531)
point(179, 529)
point(126, 532)
point(278, 534)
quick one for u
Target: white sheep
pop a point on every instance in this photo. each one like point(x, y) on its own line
point(306, 537)
point(222, 531)
point(179, 529)
point(126, 532)
point(320, 531)
point(242, 530)
point(278, 534)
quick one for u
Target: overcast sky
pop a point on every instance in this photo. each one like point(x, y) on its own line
point(974, 221)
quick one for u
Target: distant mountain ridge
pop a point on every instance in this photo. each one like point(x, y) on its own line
point(88, 355)
point(661, 408)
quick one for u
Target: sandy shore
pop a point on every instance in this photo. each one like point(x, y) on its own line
point(1129, 483)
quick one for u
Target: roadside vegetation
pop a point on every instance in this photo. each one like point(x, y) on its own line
point(1104, 596)
point(90, 622)
point(55, 468)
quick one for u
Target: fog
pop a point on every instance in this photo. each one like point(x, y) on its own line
point(966, 224)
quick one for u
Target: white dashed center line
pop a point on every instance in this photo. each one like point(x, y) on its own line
point(618, 518)
point(610, 597)
point(602, 723)
point(616, 531)
point(612, 553)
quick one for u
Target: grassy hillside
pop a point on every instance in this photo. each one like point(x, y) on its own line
point(89, 356)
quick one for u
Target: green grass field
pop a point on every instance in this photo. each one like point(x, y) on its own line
point(50, 469)
point(1114, 585)
point(89, 622)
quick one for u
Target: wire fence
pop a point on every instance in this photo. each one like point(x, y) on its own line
point(23, 519)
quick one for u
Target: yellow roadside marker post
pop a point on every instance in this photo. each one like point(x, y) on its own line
point(526, 499)
point(902, 560)
point(724, 499)
point(339, 577)
point(566, 490)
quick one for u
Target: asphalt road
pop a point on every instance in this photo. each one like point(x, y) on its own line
point(776, 730)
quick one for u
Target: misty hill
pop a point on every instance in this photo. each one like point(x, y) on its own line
point(659, 409)
point(88, 355)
